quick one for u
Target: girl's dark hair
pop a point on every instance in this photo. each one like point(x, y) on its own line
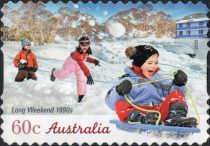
point(83, 38)
point(89, 51)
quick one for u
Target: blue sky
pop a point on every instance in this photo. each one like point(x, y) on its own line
point(103, 11)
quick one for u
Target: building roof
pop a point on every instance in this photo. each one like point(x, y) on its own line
point(193, 20)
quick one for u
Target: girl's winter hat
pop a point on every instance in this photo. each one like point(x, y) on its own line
point(140, 54)
point(84, 39)
point(25, 42)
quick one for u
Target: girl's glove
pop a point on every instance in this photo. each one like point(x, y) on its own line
point(22, 66)
point(96, 62)
point(124, 87)
point(90, 80)
point(180, 78)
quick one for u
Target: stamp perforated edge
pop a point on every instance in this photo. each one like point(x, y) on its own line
point(2, 2)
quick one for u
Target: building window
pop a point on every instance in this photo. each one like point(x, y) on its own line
point(180, 25)
point(188, 32)
point(200, 32)
point(180, 33)
point(188, 24)
point(201, 23)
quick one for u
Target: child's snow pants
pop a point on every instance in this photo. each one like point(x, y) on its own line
point(23, 74)
point(69, 67)
point(123, 108)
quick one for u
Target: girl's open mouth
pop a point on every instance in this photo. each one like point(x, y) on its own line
point(151, 71)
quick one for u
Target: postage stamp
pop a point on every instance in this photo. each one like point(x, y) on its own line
point(88, 72)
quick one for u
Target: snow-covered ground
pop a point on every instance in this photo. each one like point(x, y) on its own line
point(44, 93)
point(112, 60)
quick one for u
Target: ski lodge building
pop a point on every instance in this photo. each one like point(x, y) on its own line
point(192, 28)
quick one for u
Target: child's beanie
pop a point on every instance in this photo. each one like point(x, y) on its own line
point(25, 42)
point(140, 54)
point(84, 39)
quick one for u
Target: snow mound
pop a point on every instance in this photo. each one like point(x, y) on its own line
point(179, 48)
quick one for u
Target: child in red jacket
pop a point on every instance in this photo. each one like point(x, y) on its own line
point(26, 62)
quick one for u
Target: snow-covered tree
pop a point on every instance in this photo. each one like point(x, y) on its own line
point(65, 21)
point(8, 19)
point(31, 21)
point(164, 24)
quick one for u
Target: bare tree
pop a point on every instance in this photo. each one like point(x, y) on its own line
point(34, 22)
point(8, 19)
point(146, 10)
point(164, 24)
point(64, 21)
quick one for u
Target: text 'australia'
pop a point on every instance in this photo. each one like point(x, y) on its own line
point(96, 128)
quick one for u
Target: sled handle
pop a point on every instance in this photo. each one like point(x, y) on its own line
point(146, 110)
point(193, 103)
point(151, 81)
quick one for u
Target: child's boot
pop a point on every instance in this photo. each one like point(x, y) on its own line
point(80, 97)
point(31, 76)
point(177, 116)
point(52, 77)
point(136, 116)
point(182, 122)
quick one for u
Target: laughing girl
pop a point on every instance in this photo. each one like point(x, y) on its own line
point(75, 63)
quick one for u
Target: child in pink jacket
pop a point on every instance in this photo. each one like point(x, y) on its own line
point(76, 63)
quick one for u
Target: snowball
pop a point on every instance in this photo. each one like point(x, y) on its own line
point(116, 29)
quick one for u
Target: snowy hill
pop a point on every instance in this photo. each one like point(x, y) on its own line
point(70, 24)
point(44, 93)
point(112, 60)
